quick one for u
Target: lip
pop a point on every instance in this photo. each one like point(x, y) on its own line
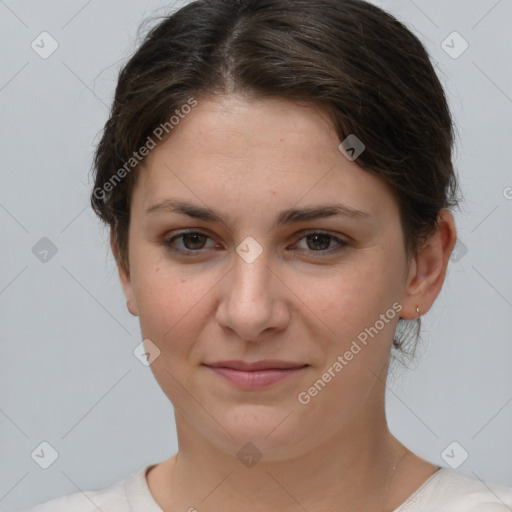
point(256, 375)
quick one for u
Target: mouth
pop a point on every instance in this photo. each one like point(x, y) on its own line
point(256, 375)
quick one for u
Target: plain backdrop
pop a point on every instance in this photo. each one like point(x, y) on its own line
point(68, 373)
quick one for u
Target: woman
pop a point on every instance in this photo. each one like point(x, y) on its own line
point(277, 177)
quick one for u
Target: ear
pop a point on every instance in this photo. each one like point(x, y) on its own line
point(428, 270)
point(124, 276)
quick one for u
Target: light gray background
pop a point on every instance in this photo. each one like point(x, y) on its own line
point(68, 373)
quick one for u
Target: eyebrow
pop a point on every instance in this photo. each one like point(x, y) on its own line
point(290, 216)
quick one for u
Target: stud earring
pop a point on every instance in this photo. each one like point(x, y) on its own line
point(418, 310)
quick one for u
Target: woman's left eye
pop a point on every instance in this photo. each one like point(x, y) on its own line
point(322, 241)
point(194, 242)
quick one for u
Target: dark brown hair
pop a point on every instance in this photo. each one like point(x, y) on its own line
point(356, 62)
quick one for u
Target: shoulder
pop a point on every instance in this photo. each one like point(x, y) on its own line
point(451, 491)
point(109, 499)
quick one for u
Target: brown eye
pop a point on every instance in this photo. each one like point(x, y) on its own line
point(320, 242)
point(191, 242)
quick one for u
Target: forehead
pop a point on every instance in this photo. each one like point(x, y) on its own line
point(238, 150)
point(235, 127)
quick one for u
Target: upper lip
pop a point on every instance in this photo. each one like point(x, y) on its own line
point(257, 365)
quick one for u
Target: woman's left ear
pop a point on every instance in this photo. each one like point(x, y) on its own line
point(428, 270)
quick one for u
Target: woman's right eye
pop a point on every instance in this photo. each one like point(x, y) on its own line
point(193, 241)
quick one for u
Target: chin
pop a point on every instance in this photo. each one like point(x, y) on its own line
point(271, 429)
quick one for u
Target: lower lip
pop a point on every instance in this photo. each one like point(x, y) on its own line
point(256, 379)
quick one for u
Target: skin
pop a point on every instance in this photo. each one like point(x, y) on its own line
point(301, 301)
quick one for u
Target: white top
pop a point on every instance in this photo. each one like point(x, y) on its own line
point(445, 491)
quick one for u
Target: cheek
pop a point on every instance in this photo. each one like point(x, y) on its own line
point(356, 298)
point(358, 308)
point(170, 301)
point(172, 316)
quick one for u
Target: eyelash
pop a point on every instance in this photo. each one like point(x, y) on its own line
point(191, 253)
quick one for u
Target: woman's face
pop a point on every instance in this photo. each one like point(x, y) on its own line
point(265, 283)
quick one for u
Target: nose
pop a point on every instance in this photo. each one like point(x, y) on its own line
point(254, 300)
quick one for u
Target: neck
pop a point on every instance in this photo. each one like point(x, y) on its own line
point(353, 470)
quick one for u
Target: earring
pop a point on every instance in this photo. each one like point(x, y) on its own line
point(418, 310)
